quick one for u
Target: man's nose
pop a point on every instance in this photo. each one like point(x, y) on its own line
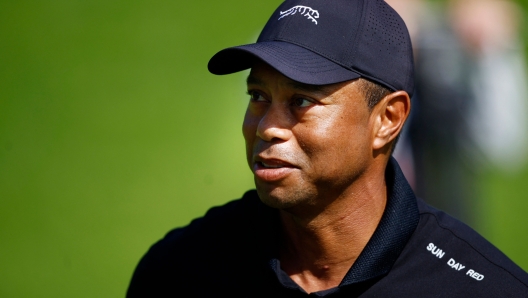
point(275, 125)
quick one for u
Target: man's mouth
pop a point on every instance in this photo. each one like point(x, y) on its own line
point(272, 166)
point(272, 169)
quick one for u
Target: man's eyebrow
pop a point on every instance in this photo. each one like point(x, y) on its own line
point(251, 80)
point(324, 90)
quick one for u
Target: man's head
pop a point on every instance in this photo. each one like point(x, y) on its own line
point(330, 84)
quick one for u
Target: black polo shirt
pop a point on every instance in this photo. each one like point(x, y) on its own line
point(416, 251)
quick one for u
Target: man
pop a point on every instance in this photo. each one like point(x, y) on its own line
point(332, 214)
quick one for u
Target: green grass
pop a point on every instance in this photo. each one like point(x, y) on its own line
point(503, 219)
point(112, 132)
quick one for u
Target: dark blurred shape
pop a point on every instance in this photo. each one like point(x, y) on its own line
point(469, 104)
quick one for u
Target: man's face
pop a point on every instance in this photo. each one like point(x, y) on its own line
point(304, 143)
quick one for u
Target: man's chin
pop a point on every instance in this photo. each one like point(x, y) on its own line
point(280, 199)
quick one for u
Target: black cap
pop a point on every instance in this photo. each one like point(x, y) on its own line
point(322, 42)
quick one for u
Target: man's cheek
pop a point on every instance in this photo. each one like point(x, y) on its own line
point(249, 126)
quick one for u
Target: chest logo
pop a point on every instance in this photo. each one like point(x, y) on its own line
point(306, 11)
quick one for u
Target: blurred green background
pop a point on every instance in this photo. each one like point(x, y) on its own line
point(112, 132)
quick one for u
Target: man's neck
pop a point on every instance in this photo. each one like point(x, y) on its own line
point(318, 252)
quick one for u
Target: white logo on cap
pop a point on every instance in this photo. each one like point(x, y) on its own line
point(306, 11)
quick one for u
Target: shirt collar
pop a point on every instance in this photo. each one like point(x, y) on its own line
point(394, 230)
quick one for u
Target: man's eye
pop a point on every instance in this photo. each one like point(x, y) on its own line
point(302, 102)
point(255, 96)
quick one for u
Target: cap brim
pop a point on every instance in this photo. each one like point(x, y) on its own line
point(294, 62)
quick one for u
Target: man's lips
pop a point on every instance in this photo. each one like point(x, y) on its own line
point(270, 169)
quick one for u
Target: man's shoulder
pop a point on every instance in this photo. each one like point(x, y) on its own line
point(212, 245)
point(448, 255)
point(219, 221)
point(467, 239)
point(219, 224)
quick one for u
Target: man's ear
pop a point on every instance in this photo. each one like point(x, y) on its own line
point(390, 115)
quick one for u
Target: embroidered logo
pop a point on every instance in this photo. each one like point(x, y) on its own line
point(306, 11)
